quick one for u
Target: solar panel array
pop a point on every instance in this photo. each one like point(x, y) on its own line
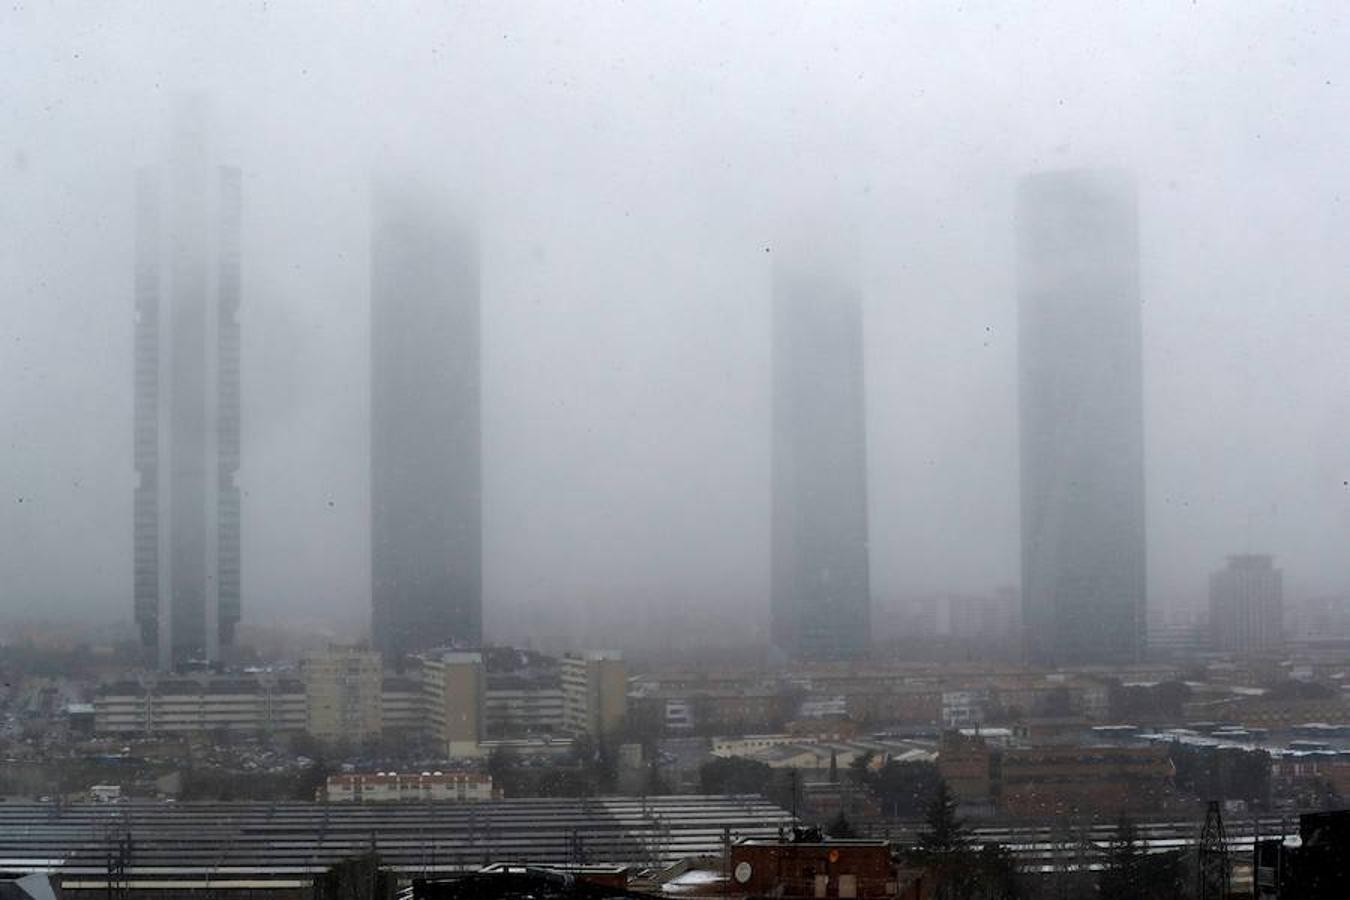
point(262, 839)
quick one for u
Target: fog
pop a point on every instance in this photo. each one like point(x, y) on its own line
point(633, 168)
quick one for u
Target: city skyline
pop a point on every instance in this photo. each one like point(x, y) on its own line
point(626, 307)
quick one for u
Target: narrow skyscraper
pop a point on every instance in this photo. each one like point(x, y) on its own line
point(425, 472)
point(1082, 429)
point(186, 566)
point(820, 601)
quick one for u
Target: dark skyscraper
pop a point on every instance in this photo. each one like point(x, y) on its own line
point(1082, 429)
point(426, 484)
point(186, 566)
point(820, 586)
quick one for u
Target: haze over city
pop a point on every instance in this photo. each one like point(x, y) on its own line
point(636, 172)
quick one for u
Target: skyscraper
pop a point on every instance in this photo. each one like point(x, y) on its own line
point(1082, 430)
point(426, 507)
point(820, 596)
point(1246, 605)
point(186, 566)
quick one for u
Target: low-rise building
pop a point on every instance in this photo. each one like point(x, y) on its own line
point(408, 787)
point(246, 704)
point(819, 867)
point(1056, 780)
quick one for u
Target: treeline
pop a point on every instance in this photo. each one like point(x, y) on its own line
point(905, 790)
point(1221, 773)
point(226, 785)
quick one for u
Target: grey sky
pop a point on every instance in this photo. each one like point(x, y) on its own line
point(633, 164)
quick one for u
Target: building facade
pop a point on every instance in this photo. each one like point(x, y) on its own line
point(201, 704)
point(1082, 431)
point(343, 693)
point(820, 601)
point(595, 692)
point(426, 507)
point(409, 787)
point(186, 413)
point(454, 686)
point(1246, 605)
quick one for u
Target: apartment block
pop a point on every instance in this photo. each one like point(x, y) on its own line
point(454, 684)
point(343, 690)
point(595, 692)
point(186, 705)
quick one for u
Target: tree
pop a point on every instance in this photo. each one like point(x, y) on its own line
point(840, 827)
point(1120, 876)
point(503, 767)
point(1221, 773)
point(861, 767)
point(943, 848)
point(943, 833)
point(656, 783)
point(996, 871)
point(559, 781)
point(311, 780)
point(905, 789)
point(735, 775)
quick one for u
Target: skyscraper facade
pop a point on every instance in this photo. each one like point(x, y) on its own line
point(1246, 605)
point(426, 507)
point(1082, 431)
point(820, 595)
point(186, 565)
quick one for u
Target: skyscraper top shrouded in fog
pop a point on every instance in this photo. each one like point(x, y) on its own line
point(820, 594)
point(426, 483)
point(186, 566)
point(1082, 433)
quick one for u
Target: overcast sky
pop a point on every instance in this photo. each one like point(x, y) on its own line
point(632, 164)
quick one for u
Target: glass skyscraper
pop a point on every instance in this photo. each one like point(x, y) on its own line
point(820, 595)
point(426, 479)
point(186, 566)
point(1082, 431)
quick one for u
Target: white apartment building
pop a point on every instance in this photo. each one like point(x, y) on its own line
point(184, 705)
point(409, 787)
